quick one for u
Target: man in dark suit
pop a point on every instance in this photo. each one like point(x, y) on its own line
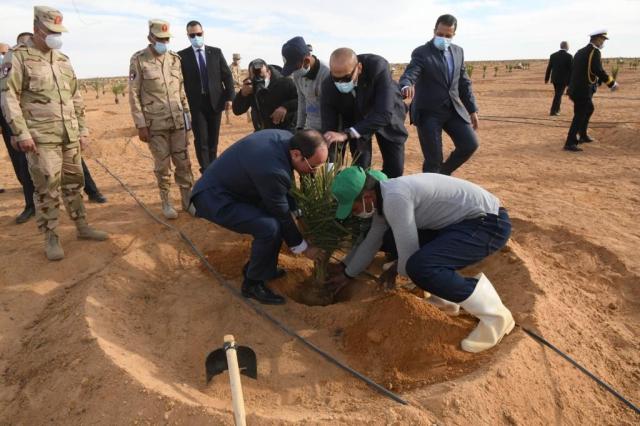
point(273, 99)
point(246, 190)
point(442, 99)
point(360, 99)
point(559, 69)
point(587, 73)
point(209, 87)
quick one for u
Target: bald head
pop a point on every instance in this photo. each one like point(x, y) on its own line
point(343, 63)
point(4, 48)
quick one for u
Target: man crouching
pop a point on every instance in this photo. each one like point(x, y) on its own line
point(438, 224)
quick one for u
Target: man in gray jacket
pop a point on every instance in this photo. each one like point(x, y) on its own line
point(439, 224)
point(308, 74)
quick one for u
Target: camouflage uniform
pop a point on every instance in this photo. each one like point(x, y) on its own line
point(236, 73)
point(158, 102)
point(41, 101)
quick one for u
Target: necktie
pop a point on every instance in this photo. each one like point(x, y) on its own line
point(204, 78)
point(448, 64)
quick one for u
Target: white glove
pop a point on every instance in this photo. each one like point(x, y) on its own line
point(615, 86)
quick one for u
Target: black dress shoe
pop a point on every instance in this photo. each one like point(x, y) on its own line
point(572, 147)
point(555, 113)
point(585, 139)
point(26, 214)
point(97, 198)
point(258, 290)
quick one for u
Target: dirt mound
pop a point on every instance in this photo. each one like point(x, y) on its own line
point(405, 342)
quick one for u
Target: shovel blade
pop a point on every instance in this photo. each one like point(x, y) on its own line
point(216, 362)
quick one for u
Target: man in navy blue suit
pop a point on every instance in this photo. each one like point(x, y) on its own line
point(246, 190)
point(437, 80)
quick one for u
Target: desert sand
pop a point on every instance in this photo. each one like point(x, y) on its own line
point(117, 332)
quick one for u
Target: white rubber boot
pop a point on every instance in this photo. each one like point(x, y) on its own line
point(449, 308)
point(495, 319)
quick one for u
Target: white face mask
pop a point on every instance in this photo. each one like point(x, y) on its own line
point(1, 58)
point(301, 72)
point(53, 41)
point(364, 214)
point(266, 82)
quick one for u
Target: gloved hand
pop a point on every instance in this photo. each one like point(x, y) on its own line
point(389, 275)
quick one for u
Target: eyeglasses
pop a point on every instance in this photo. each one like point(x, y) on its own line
point(345, 79)
point(194, 35)
point(312, 167)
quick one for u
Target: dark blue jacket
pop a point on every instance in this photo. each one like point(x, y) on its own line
point(377, 106)
point(255, 170)
point(427, 71)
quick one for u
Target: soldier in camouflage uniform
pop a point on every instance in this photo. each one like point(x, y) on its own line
point(236, 73)
point(161, 113)
point(43, 107)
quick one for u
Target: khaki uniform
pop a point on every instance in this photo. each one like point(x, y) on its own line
point(41, 101)
point(158, 101)
point(236, 73)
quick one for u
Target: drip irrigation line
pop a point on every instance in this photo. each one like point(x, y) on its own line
point(537, 123)
point(589, 374)
point(255, 307)
point(557, 120)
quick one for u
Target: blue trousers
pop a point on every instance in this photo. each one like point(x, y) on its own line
point(245, 218)
point(434, 266)
point(430, 127)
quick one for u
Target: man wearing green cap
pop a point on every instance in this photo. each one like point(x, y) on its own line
point(439, 224)
point(161, 113)
point(43, 107)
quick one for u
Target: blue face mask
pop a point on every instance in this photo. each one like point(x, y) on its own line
point(160, 47)
point(344, 87)
point(197, 41)
point(442, 43)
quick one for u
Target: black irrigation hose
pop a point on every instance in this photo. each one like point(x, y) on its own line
point(256, 308)
point(537, 123)
point(608, 388)
point(557, 120)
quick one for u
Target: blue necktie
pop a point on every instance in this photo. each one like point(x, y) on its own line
point(204, 78)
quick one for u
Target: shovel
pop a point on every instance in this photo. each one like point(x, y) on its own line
point(238, 360)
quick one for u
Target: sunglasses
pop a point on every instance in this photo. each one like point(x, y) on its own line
point(194, 35)
point(314, 168)
point(345, 79)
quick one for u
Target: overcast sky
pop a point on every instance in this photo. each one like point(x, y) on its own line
point(103, 35)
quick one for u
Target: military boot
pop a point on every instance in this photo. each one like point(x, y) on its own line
point(187, 206)
point(85, 232)
point(167, 209)
point(52, 247)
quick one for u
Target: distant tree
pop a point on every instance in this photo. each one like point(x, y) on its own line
point(484, 70)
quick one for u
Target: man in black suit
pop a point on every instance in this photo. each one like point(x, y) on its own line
point(442, 99)
point(587, 73)
point(209, 87)
point(559, 69)
point(360, 99)
point(246, 190)
point(273, 99)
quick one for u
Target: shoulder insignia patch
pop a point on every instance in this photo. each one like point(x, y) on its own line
point(132, 75)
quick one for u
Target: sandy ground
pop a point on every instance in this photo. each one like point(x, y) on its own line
point(117, 332)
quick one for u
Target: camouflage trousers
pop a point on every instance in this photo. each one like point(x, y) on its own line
point(167, 146)
point(56, 170)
